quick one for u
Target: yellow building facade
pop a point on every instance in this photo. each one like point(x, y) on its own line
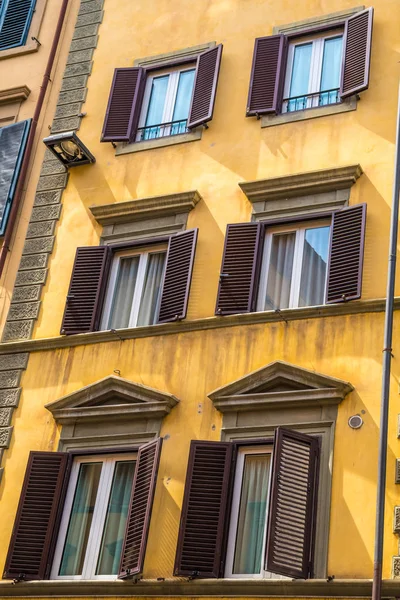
point(200, 382)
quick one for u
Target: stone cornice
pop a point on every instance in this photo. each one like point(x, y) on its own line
point(145, 208)
point(283, 316)
point(15, 94)
point(301, 184)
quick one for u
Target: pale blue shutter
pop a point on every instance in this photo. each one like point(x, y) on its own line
point(12, 146)
point(15, 19)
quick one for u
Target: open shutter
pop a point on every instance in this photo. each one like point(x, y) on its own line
point(267, 75)
point(86, 290)
point(204, 510)
point(124, 104)
point(29, 553)
point(346, 254)
point(138, 521)
point(356, 53)
point(178, 276)
point(237, 286)
point(15, 22)
point(205, 87)
point(292, 504)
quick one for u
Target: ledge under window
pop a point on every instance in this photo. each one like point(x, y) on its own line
point(310, 113)
point(160, 142)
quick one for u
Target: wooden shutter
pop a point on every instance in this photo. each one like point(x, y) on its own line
point(204, 510)
point(29, 553)
point(346, 254)
point(205, 87)
point(86, 290)
point(138, 521)
point(267, 75)
point(237, 287)
point(292, 504)
point(15, 25)
point(124, 104)
point(178, 276)
point(356, 53)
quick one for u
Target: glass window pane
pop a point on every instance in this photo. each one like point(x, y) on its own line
point(155, 110)
point(249, 548)
point(280, 271)
point(115, 522)
point(182, 101)
point(313, 272)
point(300, 76)
point(331, 65)
point(150, 299)
point(81, 519)
point(124, 291)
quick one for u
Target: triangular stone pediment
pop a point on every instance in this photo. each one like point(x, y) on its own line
point(279, 384)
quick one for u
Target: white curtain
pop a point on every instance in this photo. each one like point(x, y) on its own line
point(124, 292)
point(300, 76)
point(280, 271)
point(313, 272)
point(149, 303)
point(331, 65)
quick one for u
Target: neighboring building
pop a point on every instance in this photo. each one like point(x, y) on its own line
point(190, 375)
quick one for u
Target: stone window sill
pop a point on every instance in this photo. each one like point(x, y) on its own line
point(162, 142)
point(19, 50)
point(311, 113)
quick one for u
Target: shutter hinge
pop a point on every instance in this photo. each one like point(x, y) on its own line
point(193, 575)
point(222, 276)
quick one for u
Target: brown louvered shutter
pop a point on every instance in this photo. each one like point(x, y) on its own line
point(346, 254)
point(29, 553)
point(138, 521)
point(178, 276)
point(240, 262)
point(356, 53)
point(86, 290)
point(205, 87)
point(267, 75)
point(204, 510)
point(292, 504)
point(124, 104)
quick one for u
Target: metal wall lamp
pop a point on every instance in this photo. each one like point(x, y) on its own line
point(69, 149)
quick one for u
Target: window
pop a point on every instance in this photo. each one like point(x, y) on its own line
point(294, 266)
point(313, 73)
point(166, 104)
point(15, 20)
point(94, 519)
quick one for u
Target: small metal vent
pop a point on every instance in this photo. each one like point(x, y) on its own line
point(355, 422)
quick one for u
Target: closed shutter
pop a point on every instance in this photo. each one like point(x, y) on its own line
point(124, 104)
point(205, 87)
point(15, 22)
point(12, 147)
point(356, 53)
point(178, 276)
point(267, 75)
point(346, 254)
point(138, 522)
point(86, 290)
point(237, 287)
point(204, 510)
point(29, 554)
point(292, 505)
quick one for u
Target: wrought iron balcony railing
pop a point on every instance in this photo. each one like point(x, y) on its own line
point(151, 132)
point(311, 100)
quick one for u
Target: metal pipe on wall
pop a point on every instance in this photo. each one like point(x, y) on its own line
point(29, 145)
point(387, 357)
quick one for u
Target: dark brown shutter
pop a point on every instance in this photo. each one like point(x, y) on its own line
point(237, 286)
point(178, 276)
point(346, 254)
point(124, 105)
point(356, 53)
point(31, 541)
point(138, 522)
point(86, 290)
point(292, 504)
point(205, 87)
point(204, 510)
point(267, 75)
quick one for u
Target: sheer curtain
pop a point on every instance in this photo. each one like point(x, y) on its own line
point(280, 271)
point(124, 291)
point(313, 272)
point(300, 76)
point(252, 515)
point(331, 64)
point(156, 107)
point(182, 102)
point(150, 299)
point(81, 519)
point(117, 512)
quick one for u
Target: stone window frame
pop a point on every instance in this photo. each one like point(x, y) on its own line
point(10, 103)
point(32, 41)
point(309, 405)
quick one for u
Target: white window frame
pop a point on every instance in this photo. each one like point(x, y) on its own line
point(314, 82)
point(300, 231)
point(170, 98)
point(99, 515)
point(144, 254)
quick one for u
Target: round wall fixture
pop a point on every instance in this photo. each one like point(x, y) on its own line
point(355, 422)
